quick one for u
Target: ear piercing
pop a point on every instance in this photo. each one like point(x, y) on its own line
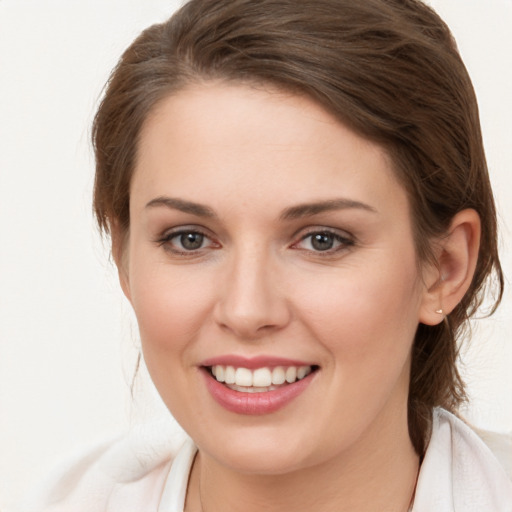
point(439, 311)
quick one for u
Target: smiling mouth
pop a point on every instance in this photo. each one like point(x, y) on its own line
point(259, 380)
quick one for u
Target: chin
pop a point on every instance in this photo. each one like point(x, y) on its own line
point(266, 450)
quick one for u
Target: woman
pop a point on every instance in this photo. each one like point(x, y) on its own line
point(302, 220)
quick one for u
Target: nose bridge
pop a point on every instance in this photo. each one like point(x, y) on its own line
point(252, 302)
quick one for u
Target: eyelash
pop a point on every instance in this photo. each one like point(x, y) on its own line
point(166, 241)
point(344, 242)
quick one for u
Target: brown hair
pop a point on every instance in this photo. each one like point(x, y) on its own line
point(389, 69)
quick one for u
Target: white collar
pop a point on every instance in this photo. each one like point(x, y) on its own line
point(175, 489)
point(459, 472)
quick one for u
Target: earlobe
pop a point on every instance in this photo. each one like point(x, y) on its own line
point(120, 255)
point(456, 263)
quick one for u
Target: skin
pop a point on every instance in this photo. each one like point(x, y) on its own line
point(257, 286)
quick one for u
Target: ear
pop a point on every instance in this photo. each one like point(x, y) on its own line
point(447, 282)
point(120, 254)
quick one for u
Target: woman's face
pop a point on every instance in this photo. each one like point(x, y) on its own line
point(270, 243)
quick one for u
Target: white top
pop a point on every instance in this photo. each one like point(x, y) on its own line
point(459, 474)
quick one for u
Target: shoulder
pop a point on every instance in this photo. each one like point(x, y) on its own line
point(124, 474)
point(460, 472)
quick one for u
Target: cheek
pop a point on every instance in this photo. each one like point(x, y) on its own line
point(171, 305)
point(366, 324)
point(172, 310)
point(366, 317)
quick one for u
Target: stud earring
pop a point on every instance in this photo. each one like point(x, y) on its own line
point(439, 311)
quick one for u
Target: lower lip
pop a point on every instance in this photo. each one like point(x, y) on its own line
point(255, 403)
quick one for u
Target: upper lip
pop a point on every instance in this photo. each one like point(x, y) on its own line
point(252, 363)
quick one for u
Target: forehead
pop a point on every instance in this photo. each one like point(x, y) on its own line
point(213, 140)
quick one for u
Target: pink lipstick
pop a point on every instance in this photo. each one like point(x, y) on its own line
point(256, 386)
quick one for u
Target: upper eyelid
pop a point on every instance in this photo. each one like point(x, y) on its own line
point(311, 230)
point(172, 232)
point(340, 238)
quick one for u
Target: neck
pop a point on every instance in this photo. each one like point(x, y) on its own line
point(375, 474)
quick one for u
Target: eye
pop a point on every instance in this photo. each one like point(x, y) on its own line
point(185, 241)
point(324, 241)
point(190, 241)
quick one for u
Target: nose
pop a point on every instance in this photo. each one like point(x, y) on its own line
point(252, 301)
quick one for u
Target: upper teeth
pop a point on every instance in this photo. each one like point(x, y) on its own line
point(260, 377)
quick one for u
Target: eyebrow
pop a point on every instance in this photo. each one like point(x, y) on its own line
point(291, 213)
point(310, 209)
point(183, 206)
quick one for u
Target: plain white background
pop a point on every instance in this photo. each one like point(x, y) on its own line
point(68, 342)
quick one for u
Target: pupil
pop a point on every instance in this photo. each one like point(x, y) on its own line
point(192, 241)
point(322, 242)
